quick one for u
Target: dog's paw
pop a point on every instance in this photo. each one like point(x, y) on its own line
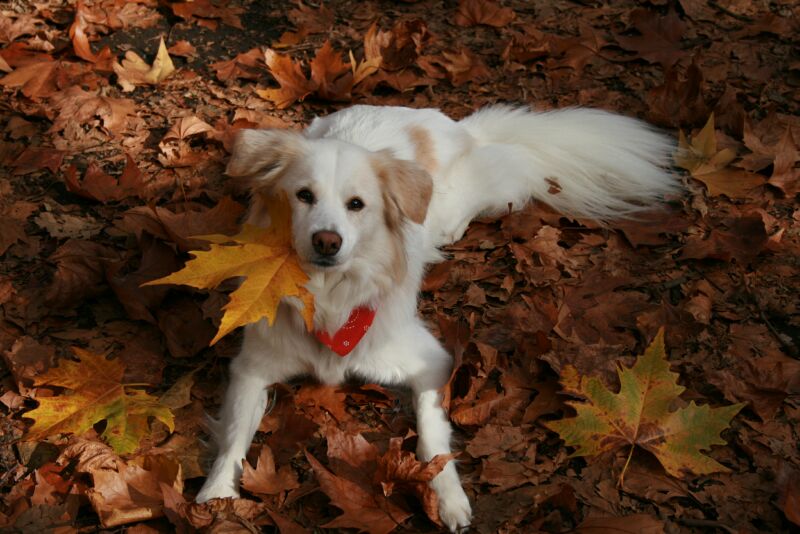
point(454, 509)
point(215, 490)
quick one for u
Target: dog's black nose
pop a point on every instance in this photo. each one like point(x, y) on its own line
point(326, 243)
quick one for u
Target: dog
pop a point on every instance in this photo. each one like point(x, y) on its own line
point(374, 193)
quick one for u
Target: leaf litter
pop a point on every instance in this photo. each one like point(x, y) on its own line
point(109, 189)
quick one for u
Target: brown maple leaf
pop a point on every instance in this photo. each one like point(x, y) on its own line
point(205, 13)
point(660, 39)
point(362, 509)
point(265, 479)
point(75, 105)
point(332, 76)
point(711, 166)
point(247, 65)
point(293, 83)
point(488, 12)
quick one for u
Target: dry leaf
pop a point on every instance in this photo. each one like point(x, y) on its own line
point(135, 71)
point(264, 257)
point(640, 415)
point(96, 394)
point(710, 166)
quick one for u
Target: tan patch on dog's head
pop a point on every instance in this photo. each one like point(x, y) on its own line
point(260, 157)
point(407, 189)
point(423, 148)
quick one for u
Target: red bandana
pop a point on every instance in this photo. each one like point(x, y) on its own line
point(348, 336)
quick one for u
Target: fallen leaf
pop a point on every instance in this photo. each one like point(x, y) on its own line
point(639, 415)
point(400, 470)
point(182, 48)
point(80, 272)
point(135, 71)
point(132, 492)
point(293, 83)
point(264, 257)
point(97, 394)
point(265, 479)
point(660, 39)
point(331, 75)
point(632, 524)
point(743, 238)
point(362, 510)
point(474, 12)
point(11, 231)
point(705, 163)
point(75, 105)
point(247, 65)
point(205, 13)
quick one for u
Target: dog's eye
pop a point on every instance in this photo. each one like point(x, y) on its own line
point(305, 195)
point(355, 204)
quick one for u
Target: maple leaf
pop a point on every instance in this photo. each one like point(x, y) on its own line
point(135, 71)
point(332, 76)
point(709, 165)
point(75, 105)
point(362, 510)
point(640, 415)
point(97, 394)
point(660, 37)
point(267, 260)
point(294, 84)
point(474, 12)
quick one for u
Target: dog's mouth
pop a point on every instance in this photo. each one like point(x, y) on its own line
point(324, 262)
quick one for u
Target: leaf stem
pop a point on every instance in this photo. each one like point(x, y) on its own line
point(621, 479)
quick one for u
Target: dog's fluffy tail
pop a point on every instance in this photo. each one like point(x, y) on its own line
point(583, 162)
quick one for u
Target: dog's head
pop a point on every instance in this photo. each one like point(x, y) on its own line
point(348, 203)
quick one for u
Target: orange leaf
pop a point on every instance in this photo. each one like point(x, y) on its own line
point(331, 74)
point(267, 260)
point(294, 84)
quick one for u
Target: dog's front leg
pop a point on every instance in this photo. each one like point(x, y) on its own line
point(242, 409)
point(255, 368)
point(434, 438)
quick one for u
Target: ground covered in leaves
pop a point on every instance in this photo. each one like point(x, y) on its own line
point(112, 151)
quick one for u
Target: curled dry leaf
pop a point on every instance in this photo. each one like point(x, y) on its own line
point(135, 71)
point(186, 127)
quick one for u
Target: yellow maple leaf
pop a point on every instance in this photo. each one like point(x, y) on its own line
point(709, 165)
point(267, 260)
point(96, 394)
point(135, 71)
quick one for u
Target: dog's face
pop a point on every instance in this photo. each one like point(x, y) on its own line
point(347, 203)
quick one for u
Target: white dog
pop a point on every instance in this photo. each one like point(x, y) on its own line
point(374, 191)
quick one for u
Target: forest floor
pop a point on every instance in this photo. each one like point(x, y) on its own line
point(108, 171)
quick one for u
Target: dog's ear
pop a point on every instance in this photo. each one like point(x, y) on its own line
point(407, 189)
point(263, 155)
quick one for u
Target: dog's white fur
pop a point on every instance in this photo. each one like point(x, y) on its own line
point(399, 162)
